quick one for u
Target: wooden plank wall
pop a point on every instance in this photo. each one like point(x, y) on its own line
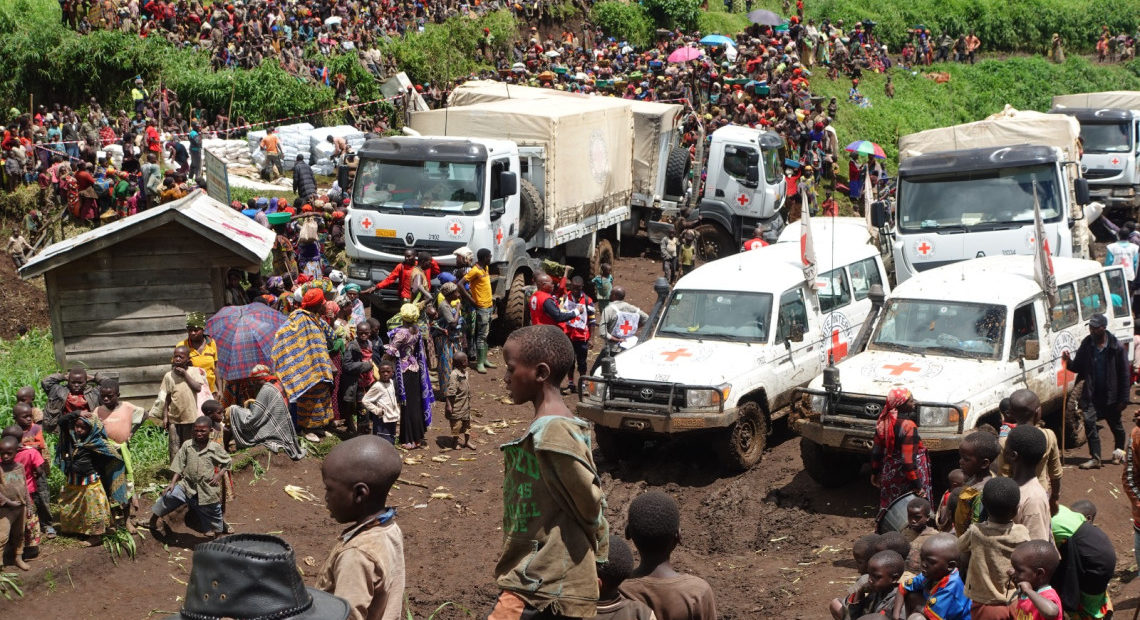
point(124, 308)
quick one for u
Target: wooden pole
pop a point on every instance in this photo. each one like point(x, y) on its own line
point(1065, 409)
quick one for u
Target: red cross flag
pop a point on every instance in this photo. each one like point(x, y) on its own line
point(1042, 258)
point(807, 248)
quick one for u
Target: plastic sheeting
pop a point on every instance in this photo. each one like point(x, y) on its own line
point(1113, 99)
point(588, 146)
point(1006, 128)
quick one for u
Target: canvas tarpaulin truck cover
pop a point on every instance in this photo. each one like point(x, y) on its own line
point(1006, 128)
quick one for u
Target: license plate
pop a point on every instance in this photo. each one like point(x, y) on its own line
point(385, 232)
point(679, 423)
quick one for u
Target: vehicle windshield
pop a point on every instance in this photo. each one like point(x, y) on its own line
point(432, 186)
point(941, 328)
point(719, 315)
point(773, 165)
point(1106, 137)
point(978, 200)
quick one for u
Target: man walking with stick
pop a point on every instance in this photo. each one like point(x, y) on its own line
point(1103, 364)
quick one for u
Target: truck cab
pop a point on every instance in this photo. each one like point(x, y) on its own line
point(1111, 142)
point(735, 338)
point(960, 338)
point(744, 188)
point(972, 203)
point(434, 195)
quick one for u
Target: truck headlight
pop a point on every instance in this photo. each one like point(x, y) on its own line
point(359, 272)
point(707, 398)
point(817, 403)
point(592, 389)
point(941, 416)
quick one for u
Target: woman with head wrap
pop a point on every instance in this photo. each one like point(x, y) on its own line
point(899, 463)
point(264, 419)
point(413, 385)
point(301, 356)
point(447, 330)
point(203, 349)
point(352, 300)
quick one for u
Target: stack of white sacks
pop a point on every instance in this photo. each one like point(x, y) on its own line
point(294, 139)
point(321, 149)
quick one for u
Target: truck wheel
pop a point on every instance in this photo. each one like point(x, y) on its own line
point(1075, 418)
point(676, 171)
point(743, 443)
point(516, 311)
point(530, 206)
point(713, 242)
point(617, 445)
point(829, 468)
point(603, 253)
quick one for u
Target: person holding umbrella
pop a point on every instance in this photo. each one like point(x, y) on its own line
point(300, 354)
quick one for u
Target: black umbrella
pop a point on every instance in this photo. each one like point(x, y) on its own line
point(765, 18)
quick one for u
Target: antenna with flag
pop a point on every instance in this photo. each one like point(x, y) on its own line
point(1042, 259)
point(807, 247)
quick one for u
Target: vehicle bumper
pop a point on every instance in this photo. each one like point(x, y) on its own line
point(655, 423)
point(859, 440)
point(1114, 196)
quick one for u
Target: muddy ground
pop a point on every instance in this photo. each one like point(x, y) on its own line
point(772, 543)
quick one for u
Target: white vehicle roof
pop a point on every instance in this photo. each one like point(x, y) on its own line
point(991, 279)
point(849, 229)
point(771, 269)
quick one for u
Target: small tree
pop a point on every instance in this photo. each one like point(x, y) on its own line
point(673, 13)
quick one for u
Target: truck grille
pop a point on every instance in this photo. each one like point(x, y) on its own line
point(859, 407)
point(1093, 174)
point(396, 247)
point(634, 394)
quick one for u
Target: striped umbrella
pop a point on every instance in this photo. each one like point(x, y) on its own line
point(866, 147)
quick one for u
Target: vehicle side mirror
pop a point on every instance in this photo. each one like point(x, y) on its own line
point(508, 184)
point(754, 175)
point(1081, 189)
point(877, 295)
point(880, 214)
point(1032, 349)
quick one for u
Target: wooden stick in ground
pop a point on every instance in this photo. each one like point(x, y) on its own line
point(415, 484)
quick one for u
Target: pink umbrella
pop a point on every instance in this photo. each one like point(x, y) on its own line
point(685, 54)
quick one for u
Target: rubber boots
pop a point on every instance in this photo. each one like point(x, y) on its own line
point(486, 363)
point(481, 362)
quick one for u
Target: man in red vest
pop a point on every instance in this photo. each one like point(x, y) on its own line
point(757, 241)
point(544, 308)
point(579, 329)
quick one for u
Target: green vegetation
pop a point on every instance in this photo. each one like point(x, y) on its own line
point(625, 21)
point(1007, 25)
point(718, 22)
point(973, 93)
point(243, 194)
point(444, 52)
point(672, 14)
point(120, 543)
point(9, 585)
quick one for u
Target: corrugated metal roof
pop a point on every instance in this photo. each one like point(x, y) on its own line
point(197, 211)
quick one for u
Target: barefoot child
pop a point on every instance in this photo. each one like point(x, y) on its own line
point(14, 504)
point(654, 526)
point(120, 420)
point(198, 469)
point(381, 402)
point(1032, 566)
point(861, 552)
point(36, 470)
point(177, 402)
point(986, 549)
point(611, 604)
point(68, 393)
point(554, 530)
point(937, 592)
point(458, 407)
point(877, 594)
point(31, 434)
point(366, 566)
point(94, 476)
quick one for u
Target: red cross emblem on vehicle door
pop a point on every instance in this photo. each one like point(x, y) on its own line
point(924, 248)
point(499, 237)
point(743, 199)
point(455, 228)
point(1115, 161)
point(838, 349)
point(366, 223)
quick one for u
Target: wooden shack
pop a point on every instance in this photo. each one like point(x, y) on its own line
point(118, 295)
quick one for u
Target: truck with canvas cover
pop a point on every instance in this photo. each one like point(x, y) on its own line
point(1110, 136)
point(527, 182)
point(961, 338)
point(968, 191)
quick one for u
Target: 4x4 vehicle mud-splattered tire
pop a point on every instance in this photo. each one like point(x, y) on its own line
point(743, 443)
point(830, 468)
point(617, 445)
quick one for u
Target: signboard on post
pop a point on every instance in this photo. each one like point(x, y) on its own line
point(217, 180)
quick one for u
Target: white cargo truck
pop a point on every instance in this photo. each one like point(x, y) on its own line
point(960, 337)
point(1110, 136)
point(967, 191)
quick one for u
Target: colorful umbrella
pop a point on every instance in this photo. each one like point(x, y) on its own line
point(685, 54)
point(245, 338)
point(765, 18)
point(866, 147)
point(717, 39)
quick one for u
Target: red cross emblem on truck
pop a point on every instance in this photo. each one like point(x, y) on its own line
point(499, 237)
point(838, 349)
point(898, 369)
point(1115, 161)
point(366, 223)
point(455, 228)
point(742, 199)
point(924, 248)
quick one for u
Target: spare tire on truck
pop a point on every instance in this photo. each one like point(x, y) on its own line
point(530, 209)
point(676, 172)
point(515, 314)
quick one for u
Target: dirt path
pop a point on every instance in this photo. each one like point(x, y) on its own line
point(771, 542)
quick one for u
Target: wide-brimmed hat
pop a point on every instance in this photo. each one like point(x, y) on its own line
point(251, 577)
